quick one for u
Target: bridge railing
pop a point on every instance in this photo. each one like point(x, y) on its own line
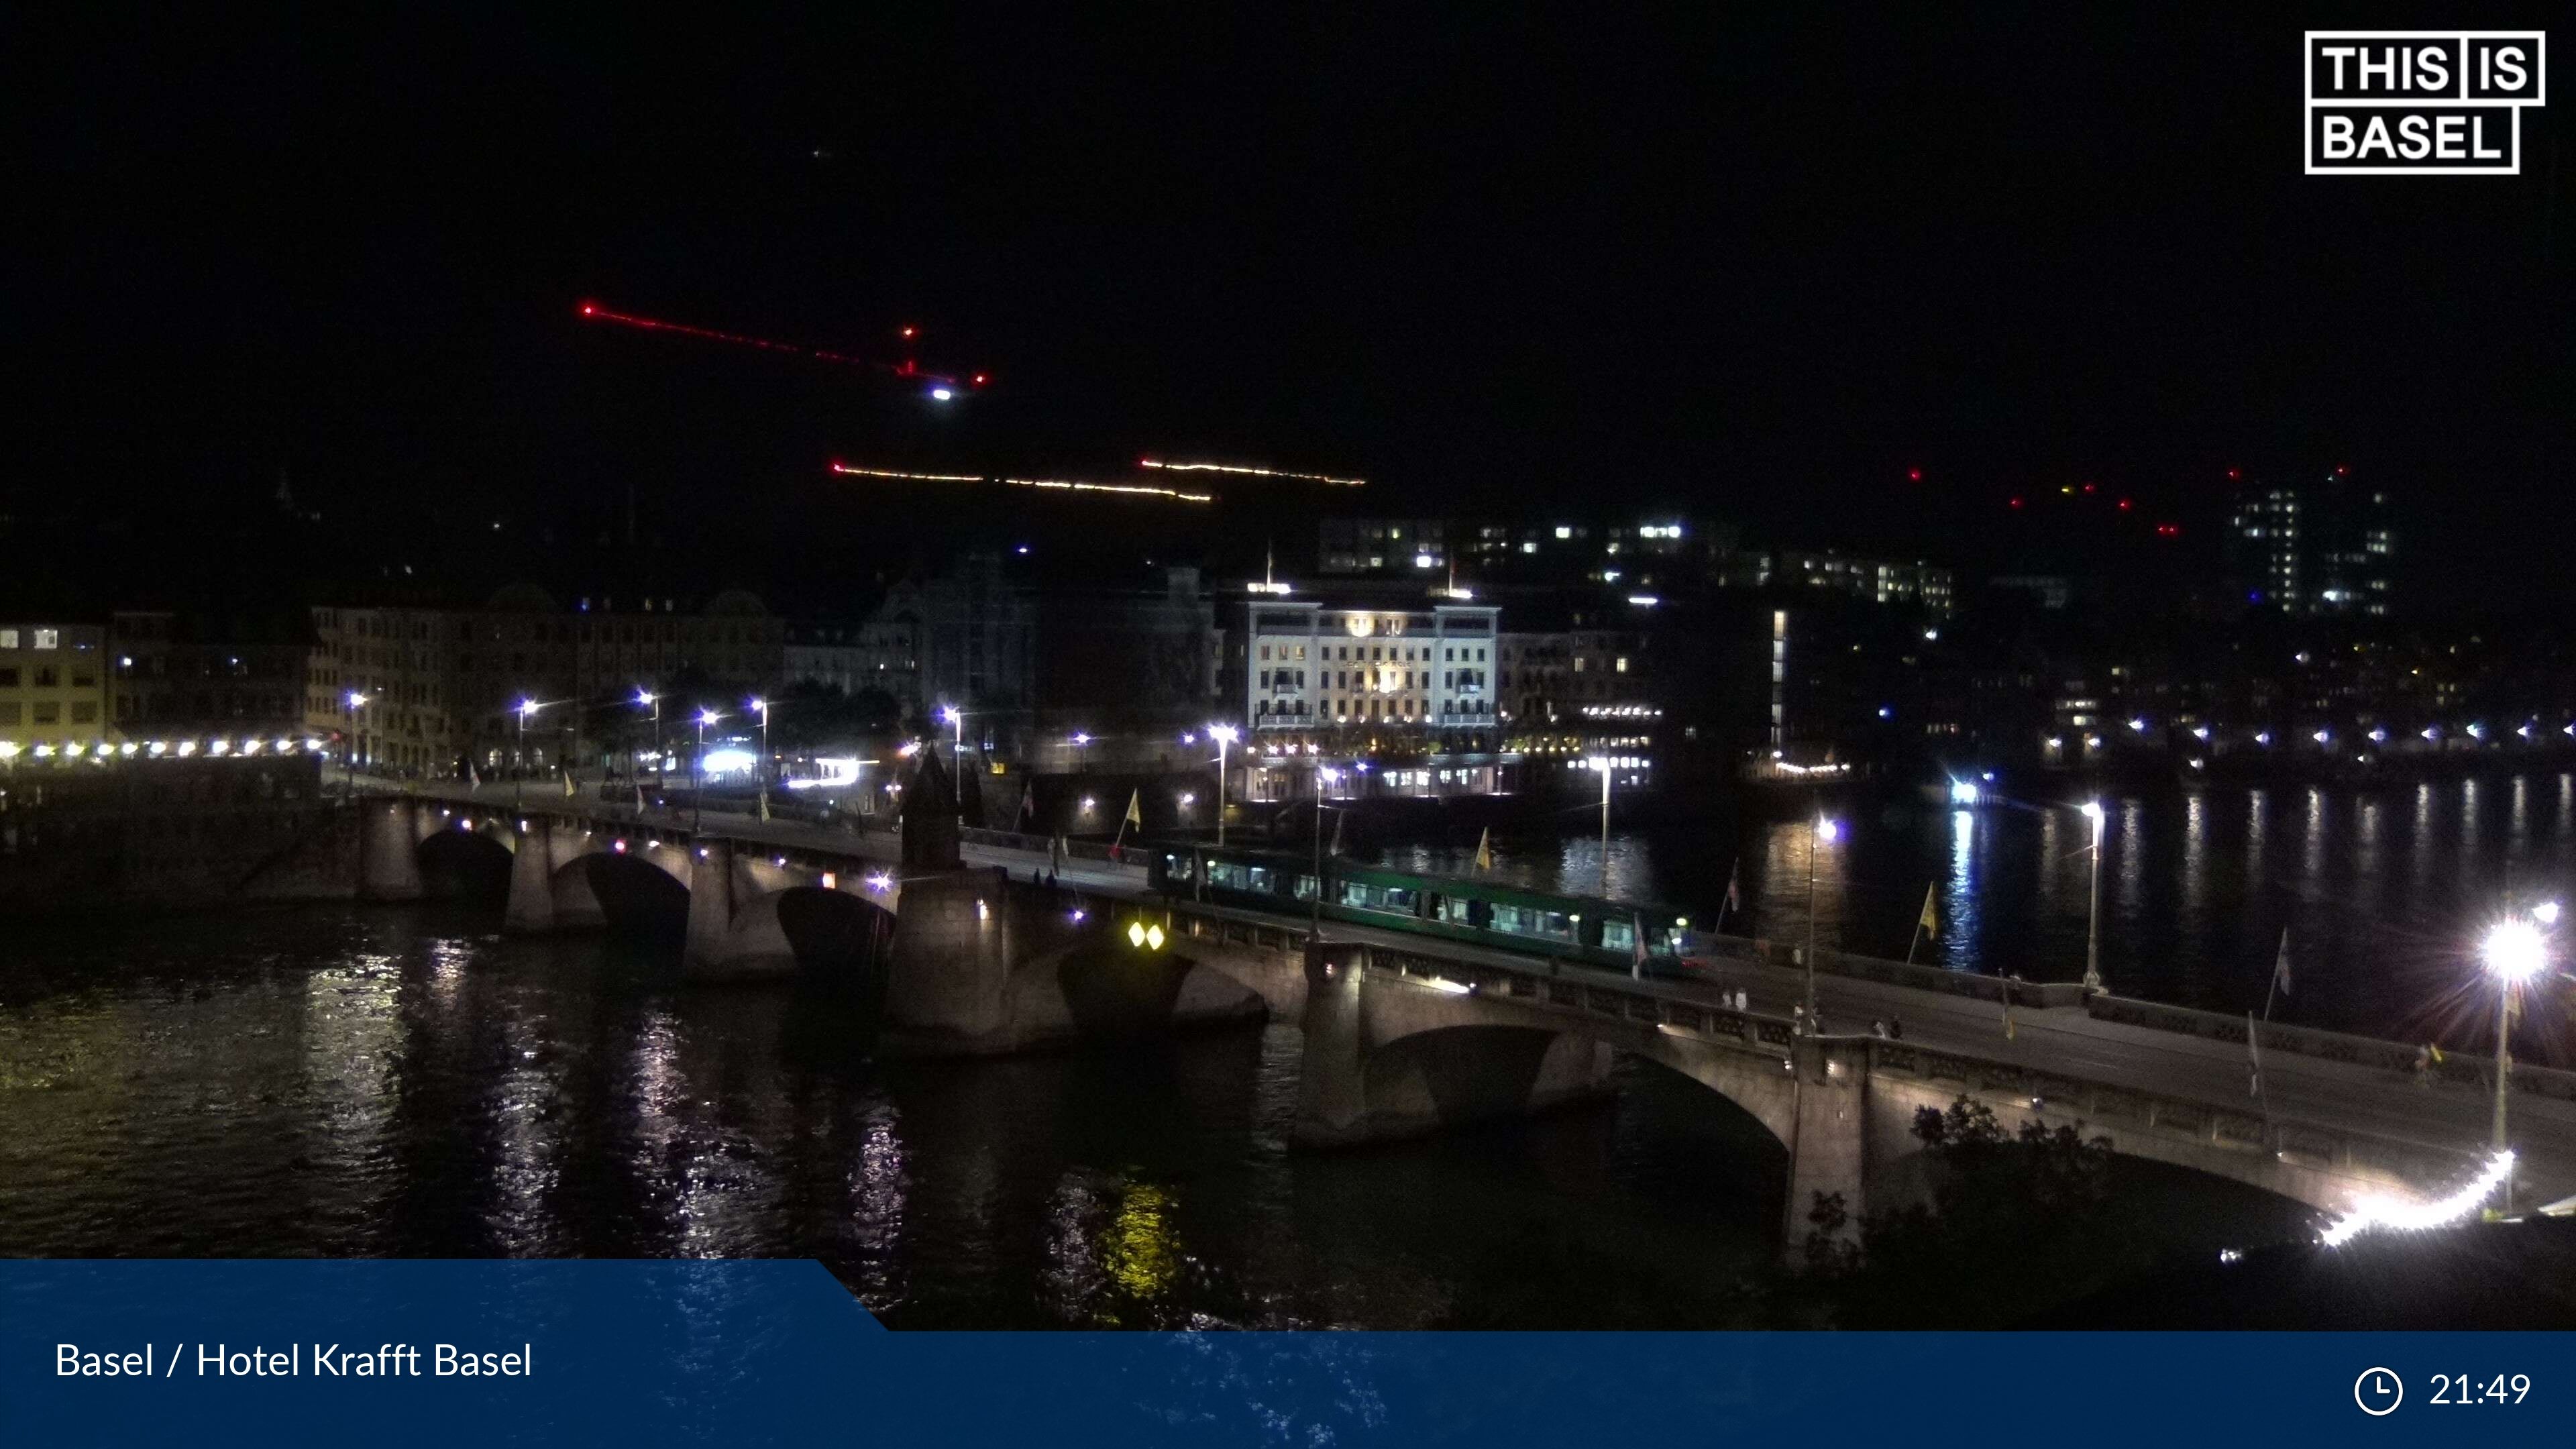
point(1040, 844)
point(2127, 1112)
point(1997, 989)
point(2454, 1069)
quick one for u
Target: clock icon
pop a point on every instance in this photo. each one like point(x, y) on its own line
point(2378, 1392)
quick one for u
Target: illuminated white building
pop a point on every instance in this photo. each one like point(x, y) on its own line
point(1310, 667)
point(1347, 700)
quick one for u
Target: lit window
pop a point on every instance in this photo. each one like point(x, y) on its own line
point(49, 638)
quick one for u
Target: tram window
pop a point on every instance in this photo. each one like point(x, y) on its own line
point(1305, 887)
point(1230, 876)
point(1366, 897)
point(1528, 921)
point(1616, 935)
point(1177, 866)
point(1453, 909)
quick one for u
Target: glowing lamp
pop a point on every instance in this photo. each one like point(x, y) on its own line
point(2513, 951)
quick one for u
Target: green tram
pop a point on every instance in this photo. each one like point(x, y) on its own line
point(1580, 928)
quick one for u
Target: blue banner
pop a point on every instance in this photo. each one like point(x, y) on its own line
point(649, 1353)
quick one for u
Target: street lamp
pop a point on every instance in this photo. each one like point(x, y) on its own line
point(519, 777)
point(1820, 832)
point(762, 705)
point(349, 746)
point(1316, 928)
point(955, 719)
point(2093, 915)
point(698, 772)
point(653, 701)
point(1224, 735)
point(2514, 953)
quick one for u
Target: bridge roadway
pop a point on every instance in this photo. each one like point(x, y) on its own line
point(2066, 1042)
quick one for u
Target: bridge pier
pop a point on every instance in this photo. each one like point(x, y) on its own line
point(532, 889)
point(951, 967)
point(1391, 1056)
point(729, 941)
point(1828, 1138)
point(388, 841)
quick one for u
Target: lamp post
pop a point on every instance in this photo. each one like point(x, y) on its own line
point(349, 745)
point(2093, 915)
point(2514, 953)
point(1820, 832)
point(653, 701)
point(762, 705)
point(1224, 735)
point(956, 721)
point(1316, 928)
point(519, 776)
point(698, 773)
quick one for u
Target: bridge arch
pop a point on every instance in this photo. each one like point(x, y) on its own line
point(1446, 1076)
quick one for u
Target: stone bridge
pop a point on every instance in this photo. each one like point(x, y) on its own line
point(1400, 1043)
point(970, 961)
point(1404, 1037)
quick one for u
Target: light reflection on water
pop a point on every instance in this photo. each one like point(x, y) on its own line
point(2380, 889)
point(404, 1081)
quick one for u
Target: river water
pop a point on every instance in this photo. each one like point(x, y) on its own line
point(406, 1081)
point(2383, 892)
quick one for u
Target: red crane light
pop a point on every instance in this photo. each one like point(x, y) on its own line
point(982, 378)
point(2232, 475)
point(2124, 505)
point(908, 368)
point(2088, 487)
point(1913, 475)
point(2016, 503)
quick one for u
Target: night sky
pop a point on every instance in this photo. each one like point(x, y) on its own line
point(1755, 263)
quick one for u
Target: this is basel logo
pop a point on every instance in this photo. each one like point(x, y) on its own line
point(2421, 102)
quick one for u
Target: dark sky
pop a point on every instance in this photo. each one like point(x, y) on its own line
point(1757, 262)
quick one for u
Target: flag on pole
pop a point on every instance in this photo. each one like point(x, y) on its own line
point(1734, 897)
point(1029, 801)
point(764, 805)
point(1636, 947)
point(1338, 817)
point(569, 791)
point(1930, 920)
point(639, 797)
point(1485, 849)
point(473, 779)
point(1135, 815)
point(2281, 964)
point(2253, 1058)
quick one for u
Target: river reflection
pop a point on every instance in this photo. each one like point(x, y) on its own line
point(404, 1081)
point(2381, 890)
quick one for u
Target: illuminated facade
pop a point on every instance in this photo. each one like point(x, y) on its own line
point(53, 688)
point(1343, 700)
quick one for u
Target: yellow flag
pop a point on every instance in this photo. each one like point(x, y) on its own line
point(1485, 849)
point(1931, 921)
point(1135, 815)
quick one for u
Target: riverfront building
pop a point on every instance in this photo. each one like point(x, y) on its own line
point(53, 688)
